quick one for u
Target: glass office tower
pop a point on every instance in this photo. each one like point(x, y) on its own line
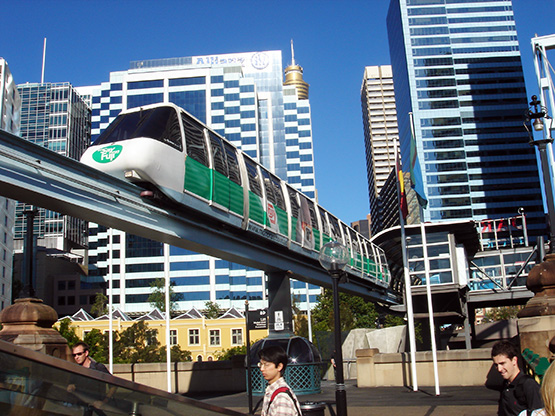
point(54, 115)
point(242, 97)
point(10, 110)
point(458, 71)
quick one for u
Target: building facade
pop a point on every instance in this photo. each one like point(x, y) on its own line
point(55, 116)
point(10, 111)
point(459, 86)
point(241, 96)
point(380, 133)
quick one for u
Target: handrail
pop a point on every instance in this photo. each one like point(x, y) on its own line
point(33, 380)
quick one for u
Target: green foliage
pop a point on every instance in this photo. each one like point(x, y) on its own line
point(212, 310)
point(99, 306)
point(98, 344)
point(157, 297)
point(177, 354)
point(137, 344)
point(230, 352)
point(501, 313)
point(68, 332)
point(355, 312)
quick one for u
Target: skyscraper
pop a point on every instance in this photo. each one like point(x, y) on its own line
point(10, 108)
point(458, 72)
point(53, 115)
point(241, 96)
point(380, 133)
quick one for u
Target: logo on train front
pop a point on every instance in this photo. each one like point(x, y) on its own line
point(107, 154)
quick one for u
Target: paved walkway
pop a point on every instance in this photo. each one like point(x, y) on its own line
point(391, 401)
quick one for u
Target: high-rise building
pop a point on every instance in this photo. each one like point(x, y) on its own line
point(54, 115)
point(459, 84)
point(10, 109)
point(380, 133)
point(241, 96)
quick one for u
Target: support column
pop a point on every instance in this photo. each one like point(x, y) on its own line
point(279, 305)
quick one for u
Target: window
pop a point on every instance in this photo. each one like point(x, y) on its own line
point(151, 336)
point(173, 336)
point(194, 337)
point(237, 336)
point(214, 337)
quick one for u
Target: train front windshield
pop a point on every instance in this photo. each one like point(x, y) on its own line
point(160, 123)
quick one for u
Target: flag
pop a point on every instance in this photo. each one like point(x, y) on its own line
point(415, 169)
point(403, 205)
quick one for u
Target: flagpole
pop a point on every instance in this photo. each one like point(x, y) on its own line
point(408, 288)
point(429, 297)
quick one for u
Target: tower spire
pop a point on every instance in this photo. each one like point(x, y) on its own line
point(294, 76)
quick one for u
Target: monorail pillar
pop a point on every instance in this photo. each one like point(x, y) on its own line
point(279, 305)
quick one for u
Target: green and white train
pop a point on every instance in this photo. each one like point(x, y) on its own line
point(172, 155)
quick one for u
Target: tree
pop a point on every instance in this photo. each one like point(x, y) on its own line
point(177, 354)
point(68, 332)
point(99, 306)
point(501, 313)
point(212, 310)
point(300, 321)
point(98, 345)
point(157, 297)
point(230, 352)
point(137, 344)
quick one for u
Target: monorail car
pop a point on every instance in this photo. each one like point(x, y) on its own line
point(164, 149)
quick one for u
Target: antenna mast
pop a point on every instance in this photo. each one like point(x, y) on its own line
point(43, 59)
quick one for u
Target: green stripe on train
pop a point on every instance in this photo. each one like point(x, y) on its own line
point(197, 178)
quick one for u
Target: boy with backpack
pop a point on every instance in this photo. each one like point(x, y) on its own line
point(279, 400)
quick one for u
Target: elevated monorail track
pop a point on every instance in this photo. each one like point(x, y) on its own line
point(38, 176)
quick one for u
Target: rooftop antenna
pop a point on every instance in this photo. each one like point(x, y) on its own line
point(43, 59)
point(292, 53)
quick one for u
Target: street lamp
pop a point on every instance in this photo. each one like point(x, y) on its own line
point(334, 256)
point(538, 115)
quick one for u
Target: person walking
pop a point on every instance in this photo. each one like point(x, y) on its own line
point(519, 391)
point(279, 400)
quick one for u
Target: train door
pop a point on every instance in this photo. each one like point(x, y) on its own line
point(256, 197)
point(276, 217)
point(226, 188)
point(197, 166)
point(294, 212)
point(307, 225)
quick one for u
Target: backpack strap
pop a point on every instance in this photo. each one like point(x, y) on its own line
point(283, 390)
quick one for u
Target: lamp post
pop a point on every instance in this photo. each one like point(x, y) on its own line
point(334, 256)
point(538, 115)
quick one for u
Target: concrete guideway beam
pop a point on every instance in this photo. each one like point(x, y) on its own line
point(38, 176)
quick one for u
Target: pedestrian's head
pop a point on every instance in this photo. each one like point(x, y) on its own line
point(548, 390)
point(273, 361)
point(80, 352)
point(505, 358)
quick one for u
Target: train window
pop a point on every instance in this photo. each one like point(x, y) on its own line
point(310, 205)
point(232, 163)
point(160, 123)
point(273, 190)
point(335, 230)
point(254, 184)
point(294, 203)
point(325, 227)
point(218, 154)
point(268, 186)
point(194, 139)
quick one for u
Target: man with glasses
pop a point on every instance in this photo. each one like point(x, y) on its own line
point(80, 353)
point(94, 392)
point(279, 400)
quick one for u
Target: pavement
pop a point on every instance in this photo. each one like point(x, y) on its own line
point(388, 401)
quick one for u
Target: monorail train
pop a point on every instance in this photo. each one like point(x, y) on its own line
point(170, 153)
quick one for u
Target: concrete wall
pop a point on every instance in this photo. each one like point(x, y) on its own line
point(189, 377)
point(455, 368)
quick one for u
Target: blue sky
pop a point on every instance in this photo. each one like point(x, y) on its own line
point(334, 41)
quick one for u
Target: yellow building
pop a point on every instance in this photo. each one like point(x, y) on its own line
point(191, 331)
